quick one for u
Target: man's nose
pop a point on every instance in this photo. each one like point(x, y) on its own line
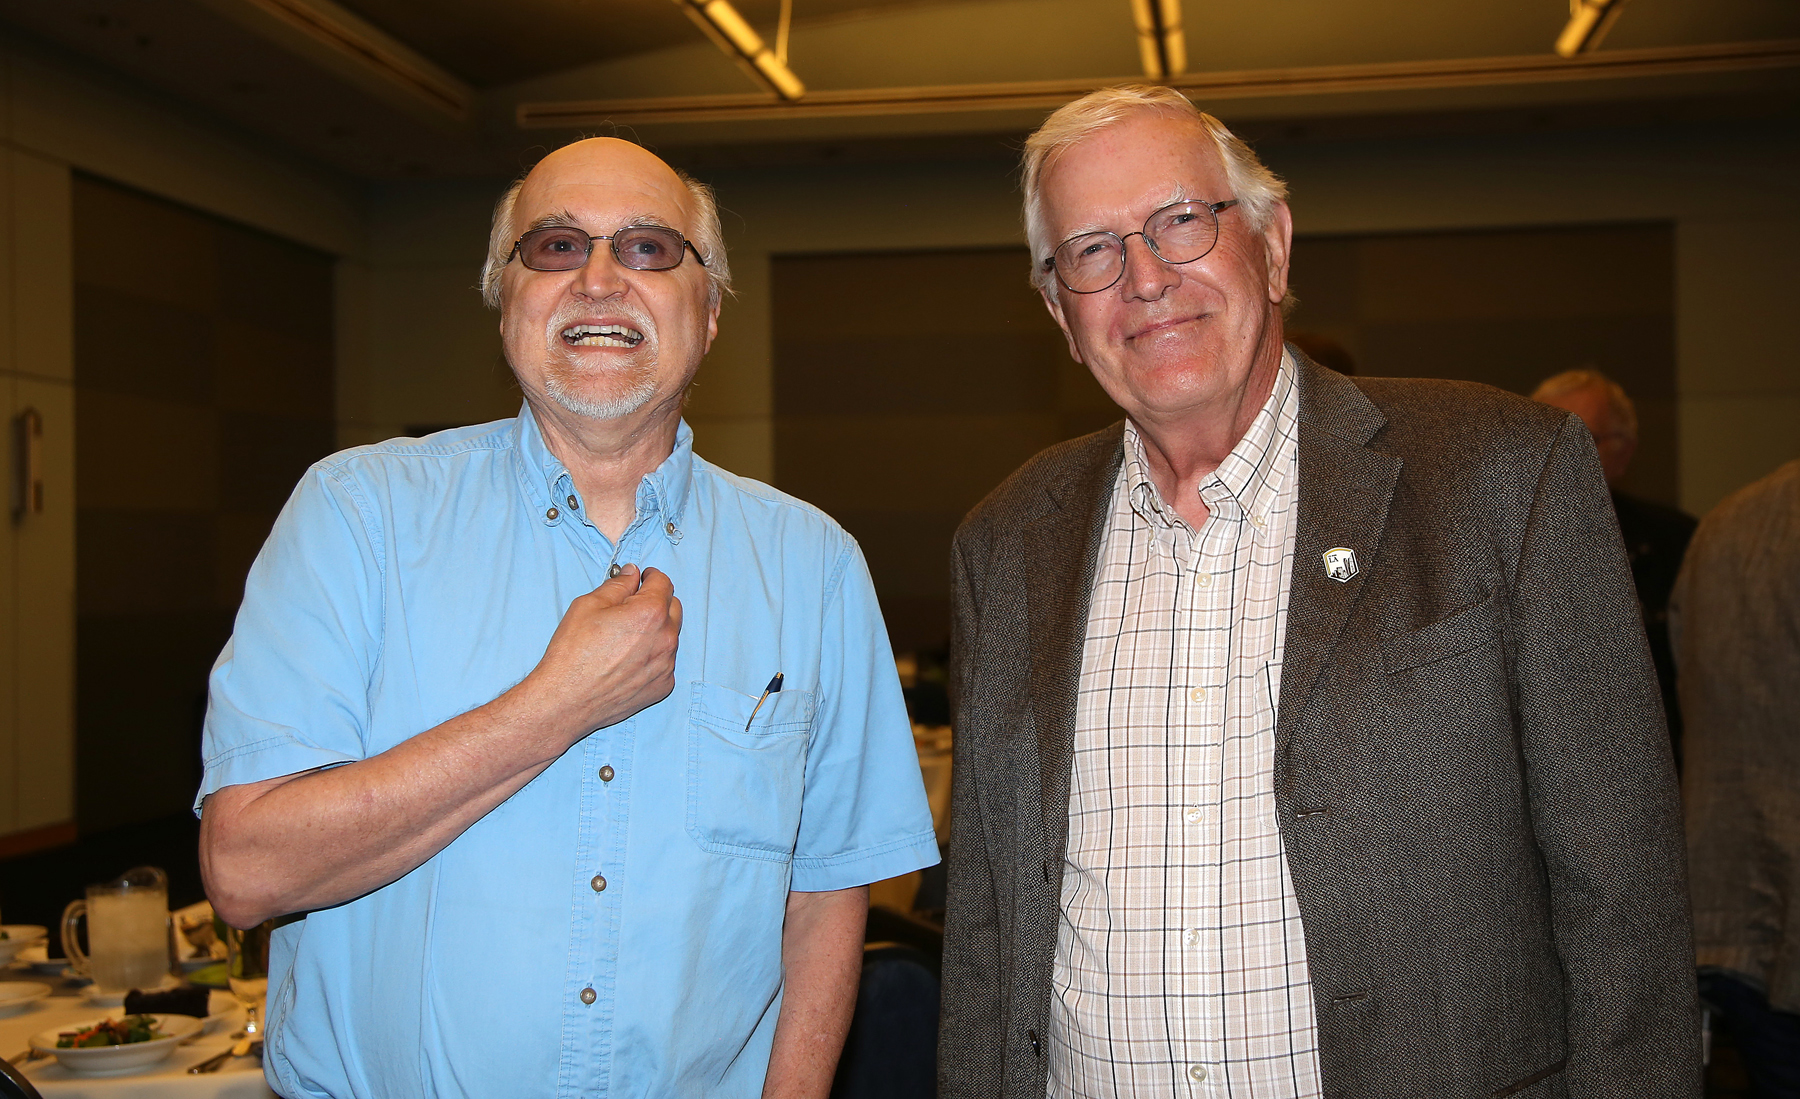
point(1146, 277)
point(602, 276)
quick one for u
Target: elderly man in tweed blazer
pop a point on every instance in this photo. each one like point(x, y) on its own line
point(1307, 739)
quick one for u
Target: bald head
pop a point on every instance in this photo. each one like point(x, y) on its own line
point(624, 171)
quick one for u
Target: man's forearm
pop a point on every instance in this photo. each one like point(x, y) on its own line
point(305, 841)
point(821, 962)
point(319, 838)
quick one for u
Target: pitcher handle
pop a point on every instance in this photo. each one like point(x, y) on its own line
point(71, 946)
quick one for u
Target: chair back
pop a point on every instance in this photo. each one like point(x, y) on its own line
point(14, 1085)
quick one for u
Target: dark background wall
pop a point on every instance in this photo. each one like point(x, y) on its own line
point(1509, 308)
point(908, 384)
point(203, 372)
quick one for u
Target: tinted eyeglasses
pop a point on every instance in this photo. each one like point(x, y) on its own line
point(1181, 232)
point(639, 247)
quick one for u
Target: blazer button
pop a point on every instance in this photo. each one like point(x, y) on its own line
point(1037, 1047)
point(1046, 871)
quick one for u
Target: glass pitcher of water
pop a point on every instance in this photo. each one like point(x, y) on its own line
point(128, 931)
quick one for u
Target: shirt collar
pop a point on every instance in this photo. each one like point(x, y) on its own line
point(663, 492)
point(1250, 477)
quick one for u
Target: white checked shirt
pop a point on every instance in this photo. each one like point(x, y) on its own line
point(1180, 963)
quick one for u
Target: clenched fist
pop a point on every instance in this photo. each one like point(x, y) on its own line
point(612, 654)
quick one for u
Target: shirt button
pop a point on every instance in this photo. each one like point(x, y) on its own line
point(551, 515)
point(1196, 1073)
point(1261, 521)
point(614, 569)
point(1203, 580)
point(1195, 815)
point(574, 504)
point(606, 773)
point(1193, 936)
point(1198, 694)
point(599, 883)
point(588, 996)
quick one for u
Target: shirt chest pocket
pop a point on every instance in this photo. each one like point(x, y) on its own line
point(746, 774)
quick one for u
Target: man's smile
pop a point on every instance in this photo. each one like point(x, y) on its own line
point(601, 335)
point(1158, 327)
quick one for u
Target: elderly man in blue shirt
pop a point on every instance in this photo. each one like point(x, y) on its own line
point(575, 753)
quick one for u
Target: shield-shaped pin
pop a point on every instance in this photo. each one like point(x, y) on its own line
point(1340, 564)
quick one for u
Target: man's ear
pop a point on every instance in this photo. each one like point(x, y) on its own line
point(1278, 243)
point(1054, 304)
point(712, 322)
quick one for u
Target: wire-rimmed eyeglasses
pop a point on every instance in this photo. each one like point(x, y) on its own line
point(1180, 232)
point(639, 247)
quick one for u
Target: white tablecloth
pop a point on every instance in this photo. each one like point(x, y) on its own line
point(241, 1078)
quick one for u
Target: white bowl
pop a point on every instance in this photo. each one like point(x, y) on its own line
point(16, 996)
point(113, 1060)
point(18, 937)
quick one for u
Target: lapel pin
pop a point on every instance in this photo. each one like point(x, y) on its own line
point(1340, 564)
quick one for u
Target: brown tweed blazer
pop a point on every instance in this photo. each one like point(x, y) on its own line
point(1472, 774)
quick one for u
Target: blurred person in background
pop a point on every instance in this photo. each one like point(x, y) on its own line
point(1306, 744)
point(1655, 535)
point(575, 752)
point(1735, 618)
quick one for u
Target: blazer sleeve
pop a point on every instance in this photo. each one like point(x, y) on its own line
point(970, 1041)
point(1601, 789)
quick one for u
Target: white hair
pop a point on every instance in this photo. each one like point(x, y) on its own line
point(707, 238)
point(1621, 414)
point(1257, 190)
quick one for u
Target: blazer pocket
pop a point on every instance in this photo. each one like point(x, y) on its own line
point(747, 774)
point(1548, 1076)
point(1458, 632)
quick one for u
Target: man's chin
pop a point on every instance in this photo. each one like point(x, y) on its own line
point(615, 405)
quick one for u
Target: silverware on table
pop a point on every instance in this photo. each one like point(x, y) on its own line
point(240, 1045)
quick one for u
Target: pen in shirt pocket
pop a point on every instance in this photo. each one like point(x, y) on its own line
point(774, 687)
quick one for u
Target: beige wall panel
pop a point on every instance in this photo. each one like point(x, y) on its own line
point(1736, 279)
point(735, 380)
point(1728, 442)
point(434, 350)
point(746, 447)
point(43, 326)
point(99, 128)
point(44, 619)
point(1737, 367)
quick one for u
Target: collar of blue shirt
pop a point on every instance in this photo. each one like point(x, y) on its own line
point(662, 494)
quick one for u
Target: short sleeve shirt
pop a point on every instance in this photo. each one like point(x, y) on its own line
point(614, 928)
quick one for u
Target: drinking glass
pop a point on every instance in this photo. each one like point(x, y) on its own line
point(247, 969)
point(128, 931)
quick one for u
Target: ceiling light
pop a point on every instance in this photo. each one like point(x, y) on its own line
point(1589, 20)
point(731, 33)
point(1160, 40)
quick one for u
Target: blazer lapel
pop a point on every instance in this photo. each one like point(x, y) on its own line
point(1344, 492)
point(1060, 550)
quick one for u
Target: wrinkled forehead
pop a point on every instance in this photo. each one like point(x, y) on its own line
point(1117, 176)
point(600, 185)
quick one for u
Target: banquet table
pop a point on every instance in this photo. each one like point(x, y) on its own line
point(240, 1078)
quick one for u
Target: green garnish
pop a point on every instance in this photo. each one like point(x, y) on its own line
point(111, 1032)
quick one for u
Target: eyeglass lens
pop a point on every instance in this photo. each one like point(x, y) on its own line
point(639, 247)
point(1181, 233)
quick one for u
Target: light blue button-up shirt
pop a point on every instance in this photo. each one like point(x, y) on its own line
point(647, 870)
